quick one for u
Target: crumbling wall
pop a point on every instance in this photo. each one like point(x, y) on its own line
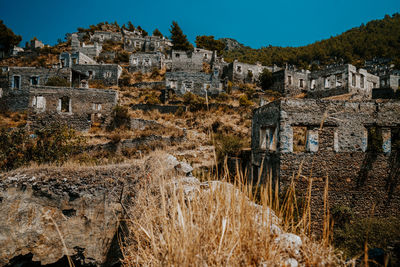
point(92, 51)
point(290, 82)
point(197, 83)
point(353, 149)
point(68, 60)
point(191, 61)
point(107, 73)
point(101, 36)
point(145, 62)
point(77, 107)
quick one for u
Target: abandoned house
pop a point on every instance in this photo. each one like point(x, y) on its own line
point(79, 108)
point(243, 72)
point(290, 81)
point(108, 74)
point(68, 60)
point(342, 79)
point(354, 144)
point(146, 62)
point(389, 86)
point(91, 51)
point(16, 83)
point(102, 36)
point(33, 44)
point(195, 82)
point(192, 61)
point(134, 42)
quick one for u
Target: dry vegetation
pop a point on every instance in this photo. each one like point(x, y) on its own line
point(170, 224)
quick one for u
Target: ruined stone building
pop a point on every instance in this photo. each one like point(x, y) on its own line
point(389, 85)
point(34, 44)
point(108, 74)
point(15, 83)
point(243, 72)
point(102, 36)
point(355, 144)
point(290, 81)
point(146, 62)
point(192, 61)
point(342, 79)
point(79, 108)
point(331, 81)
point(68, 60)
point(199, 83)
point(92, 51)
point(135, 42)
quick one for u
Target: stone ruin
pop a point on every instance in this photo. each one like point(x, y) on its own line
point(354, 144)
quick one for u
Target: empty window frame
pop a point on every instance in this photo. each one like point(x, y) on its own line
point(268, 138)
point(96, 106)
point(312, 84)
point(338, 80)
point(16, 82)
point(90, 74)
point(65, 104)
point(177, 55)
point(34, 80)
point(239, 69)
point(395, 136)
point(304, 139)
point(353, 79)
point(362, 81)
point(301, 83)
point(375, 140)
point(107, 74)
point(327, 82)
point(289, 80)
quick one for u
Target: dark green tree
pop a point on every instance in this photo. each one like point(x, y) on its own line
point(7, 37)
point(131, 28)
point(266, 79)
point(143, 32)
point(156, 32)
point(179, 40)
point(209, 43)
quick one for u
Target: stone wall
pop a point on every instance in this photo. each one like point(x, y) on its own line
point(77, 107)
point(68, 60)
point(191, 61)
point(92, 51)
point(33, 76)
point(357, 149)
point(390, 81)
point(290, 82)
point(145, 62)
point(107, 73)
point(195, 82)
point(137, 43)
point(342, 79)
point(243, 72)
point(101, 36)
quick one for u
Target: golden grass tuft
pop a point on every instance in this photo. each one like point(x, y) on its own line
point(219, 227)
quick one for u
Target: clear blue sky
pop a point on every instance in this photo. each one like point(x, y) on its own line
point(254, 23)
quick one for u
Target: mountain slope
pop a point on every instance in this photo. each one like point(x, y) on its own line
point(378, 38)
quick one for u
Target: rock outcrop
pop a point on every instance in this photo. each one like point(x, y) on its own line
point(49, 213)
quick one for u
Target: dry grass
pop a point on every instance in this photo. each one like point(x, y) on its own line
point(218, 226)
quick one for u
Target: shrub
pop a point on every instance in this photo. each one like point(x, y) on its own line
point(229, 87)
point(121, 118)
point(122, 56)
point(227, 146)
point(97, 84)
point(55, 143)
point(155, 73)
point(194, 102)
point(244, 101)
point(57, 81)
point(222, 97)
point(152, 99)
point(266, 80)
point(125, 79)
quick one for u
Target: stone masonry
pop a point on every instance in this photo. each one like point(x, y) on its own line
point(79, 108)
point(354, 144)
point(146, 62)
point(195, 82)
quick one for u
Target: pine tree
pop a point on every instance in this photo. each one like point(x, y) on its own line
point(156, 32)
point(7, 37)
point(131, 28)
point(179, 40)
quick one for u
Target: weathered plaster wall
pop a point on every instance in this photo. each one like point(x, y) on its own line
point(107, 73)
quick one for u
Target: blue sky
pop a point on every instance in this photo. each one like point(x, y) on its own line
point(254, 23)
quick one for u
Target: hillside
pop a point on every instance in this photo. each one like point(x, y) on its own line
point(378, 38)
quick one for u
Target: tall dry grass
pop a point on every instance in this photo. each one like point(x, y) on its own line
point(188, 224)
